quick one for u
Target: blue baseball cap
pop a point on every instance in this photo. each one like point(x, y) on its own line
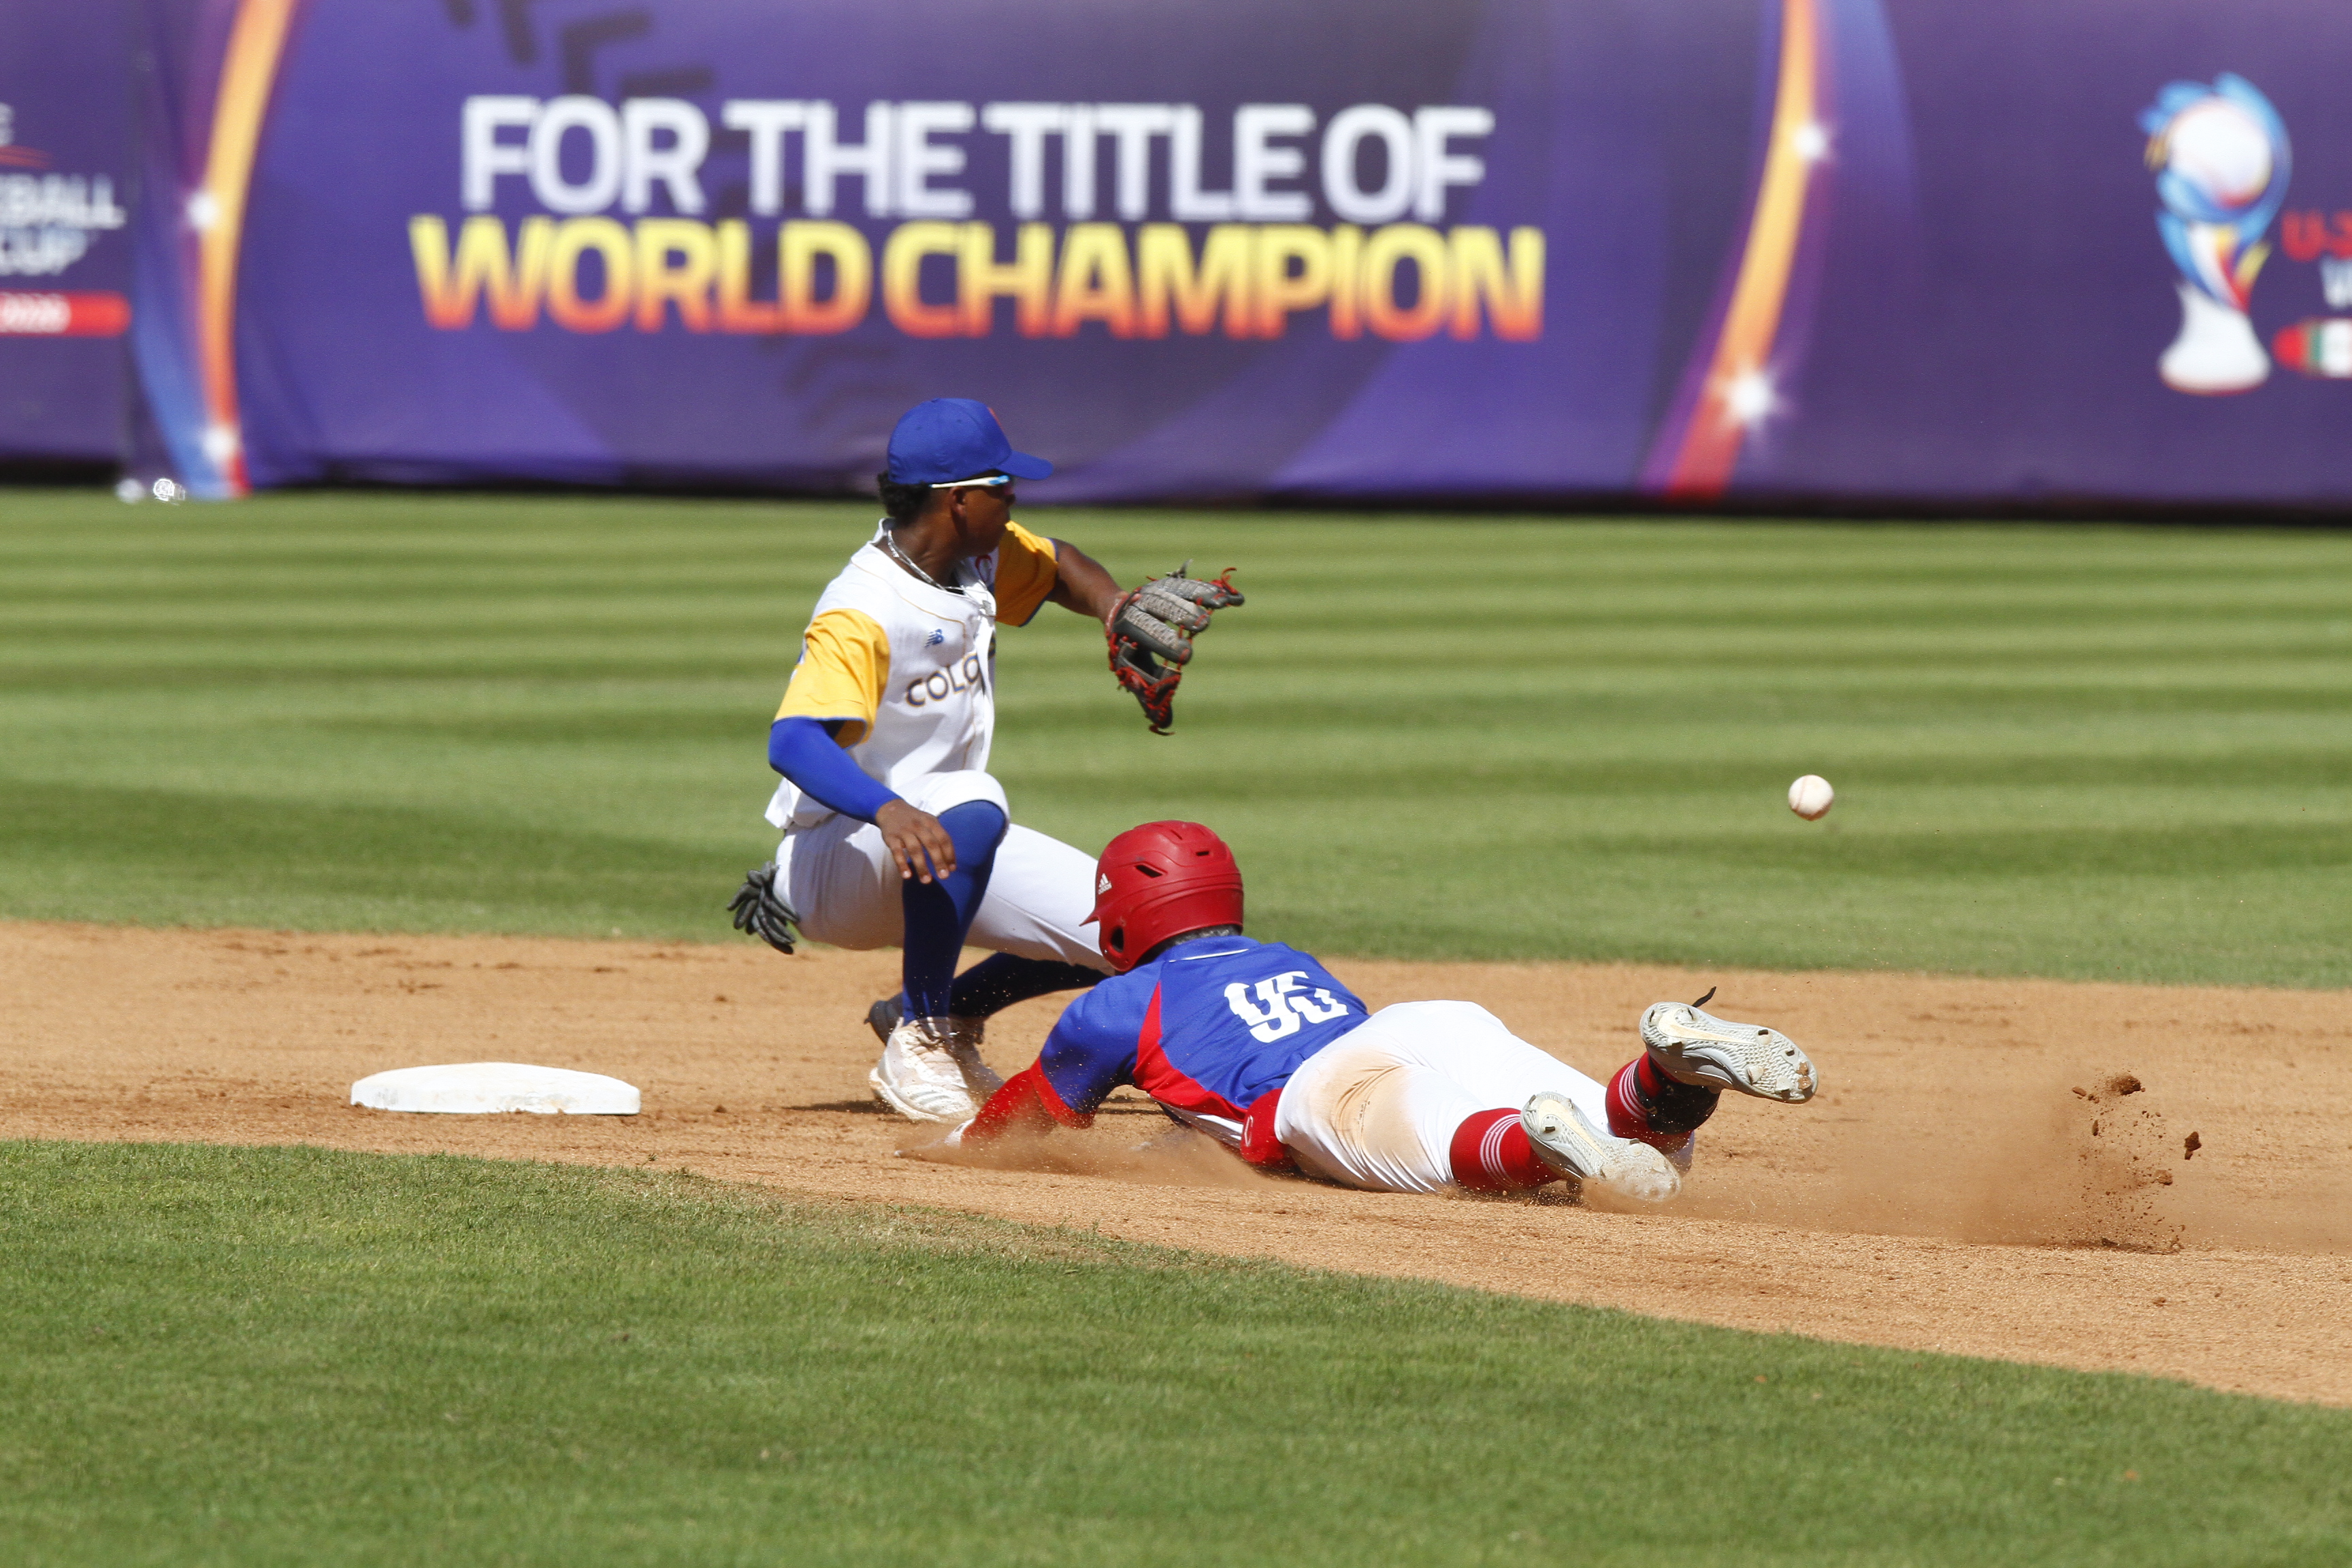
point(951, 438)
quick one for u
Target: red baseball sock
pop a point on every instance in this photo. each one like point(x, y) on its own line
point(1491, 1153)
point(1638, 1085)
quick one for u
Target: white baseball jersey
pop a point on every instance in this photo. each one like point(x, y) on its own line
point(908, 667)
point(909, 671)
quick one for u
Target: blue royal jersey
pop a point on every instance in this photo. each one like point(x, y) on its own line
point(1207, 1028)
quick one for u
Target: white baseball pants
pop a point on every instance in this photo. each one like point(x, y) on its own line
point(841, 879)
point(1379, 1107)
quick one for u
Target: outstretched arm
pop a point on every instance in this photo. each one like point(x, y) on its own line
point(1082, 584)
point(1026, 1106)
point(1090, 1052)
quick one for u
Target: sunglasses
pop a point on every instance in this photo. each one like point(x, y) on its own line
point(1003, 482)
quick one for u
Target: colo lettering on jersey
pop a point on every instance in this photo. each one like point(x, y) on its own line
point(1282, 1008)
point(941, 683)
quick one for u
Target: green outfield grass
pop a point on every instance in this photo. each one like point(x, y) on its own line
point(242, 1357)
point(2100, 752)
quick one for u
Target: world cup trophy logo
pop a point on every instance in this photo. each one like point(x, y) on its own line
point(2220, 159)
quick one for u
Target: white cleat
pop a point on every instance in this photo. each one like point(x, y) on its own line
point(1572, 1145)
point(920, 1077)
point(963, 1037)
point(1692, 1046)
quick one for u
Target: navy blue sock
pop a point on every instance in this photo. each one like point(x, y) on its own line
point(999, 980)
point(939, 913)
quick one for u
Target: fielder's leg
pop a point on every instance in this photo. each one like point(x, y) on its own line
point(842, 878)
point(931, 1070)
point(939, 912)
point(989, 987)
point(1038, 902)
point(1034, 919)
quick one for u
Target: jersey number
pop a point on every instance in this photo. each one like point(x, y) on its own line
point(1283, 1006)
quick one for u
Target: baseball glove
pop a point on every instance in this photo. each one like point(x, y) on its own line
point(757, 909)
point(1151, 634)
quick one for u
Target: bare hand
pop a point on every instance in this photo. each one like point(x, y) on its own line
point(916, 841)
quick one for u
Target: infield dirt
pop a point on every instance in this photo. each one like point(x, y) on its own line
point(1978, 1175)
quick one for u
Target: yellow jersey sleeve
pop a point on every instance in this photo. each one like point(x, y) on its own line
point(844, 666)
point(1025, 573)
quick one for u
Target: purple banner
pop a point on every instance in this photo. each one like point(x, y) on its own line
point(65, 264)
point(1812, 249)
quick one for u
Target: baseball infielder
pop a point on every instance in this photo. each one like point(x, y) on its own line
point(894, 832)
point(1258, 1045)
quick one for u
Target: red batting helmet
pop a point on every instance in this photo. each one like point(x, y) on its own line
point(1160, 881)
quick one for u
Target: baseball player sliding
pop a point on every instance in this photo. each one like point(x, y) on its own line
point(894, 832)
point(1257, 1044)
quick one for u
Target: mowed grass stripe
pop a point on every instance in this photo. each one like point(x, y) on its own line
point(258, 1356)
point(2094, 753)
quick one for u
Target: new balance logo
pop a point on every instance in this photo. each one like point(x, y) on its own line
point(1283, 1006)
point(938, 637)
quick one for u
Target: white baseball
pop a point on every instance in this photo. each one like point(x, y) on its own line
point(1810, 796)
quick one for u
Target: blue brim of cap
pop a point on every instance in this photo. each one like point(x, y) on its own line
point(1022, 466)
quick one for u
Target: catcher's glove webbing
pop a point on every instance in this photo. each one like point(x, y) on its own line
point(757, 909)
point(1151, 631)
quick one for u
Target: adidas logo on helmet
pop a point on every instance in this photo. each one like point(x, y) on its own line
point(1159, 882)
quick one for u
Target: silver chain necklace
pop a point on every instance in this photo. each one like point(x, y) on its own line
point(900, 556)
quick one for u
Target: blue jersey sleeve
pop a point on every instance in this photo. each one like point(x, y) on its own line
point(1092, 1050)
point(805, 751)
